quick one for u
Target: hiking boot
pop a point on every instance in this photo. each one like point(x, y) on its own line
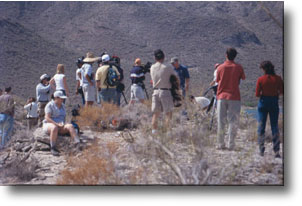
point(54, 152)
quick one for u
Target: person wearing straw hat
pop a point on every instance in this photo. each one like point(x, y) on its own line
point(88, 78)
point(54, 122)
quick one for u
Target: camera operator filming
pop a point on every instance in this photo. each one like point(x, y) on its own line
point(137, 76)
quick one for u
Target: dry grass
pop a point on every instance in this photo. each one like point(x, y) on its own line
point(96, 117)
point(91, 168)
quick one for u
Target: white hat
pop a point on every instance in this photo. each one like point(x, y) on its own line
point(202, 101)
point(59, 94)
point(44, 76)
point(105, 58)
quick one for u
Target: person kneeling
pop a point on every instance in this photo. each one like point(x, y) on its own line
point(54, 122)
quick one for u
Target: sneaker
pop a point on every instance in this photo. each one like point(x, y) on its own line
point(54, 152)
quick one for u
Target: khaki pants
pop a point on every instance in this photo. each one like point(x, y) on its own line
point(230, 110)
point(41, 112)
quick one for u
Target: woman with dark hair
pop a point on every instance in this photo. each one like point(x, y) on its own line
point(269, 87)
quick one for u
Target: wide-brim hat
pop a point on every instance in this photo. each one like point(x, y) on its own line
point(90, 58)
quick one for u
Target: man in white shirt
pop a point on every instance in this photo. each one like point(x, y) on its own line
point(88, 79)
point(79, 79)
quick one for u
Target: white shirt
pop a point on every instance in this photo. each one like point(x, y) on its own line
point(79, 71)
point(32, 110)
point(215, 77)
point(86, 69)
point(203, 102)
point(59, 81)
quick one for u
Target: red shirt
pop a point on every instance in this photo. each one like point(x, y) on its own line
point(269, 85)
point(228, 78)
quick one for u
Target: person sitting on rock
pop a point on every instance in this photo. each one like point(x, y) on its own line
point(54, 122)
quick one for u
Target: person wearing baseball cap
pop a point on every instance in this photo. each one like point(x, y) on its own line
point(107, 93)
point(42, 96)
point(54, 122)
point(137, 76)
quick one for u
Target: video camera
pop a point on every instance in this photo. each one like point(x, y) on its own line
point(146, 67)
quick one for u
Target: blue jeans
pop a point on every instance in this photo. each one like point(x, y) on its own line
point(6, 126)
point(268, 106)
point(109, 95)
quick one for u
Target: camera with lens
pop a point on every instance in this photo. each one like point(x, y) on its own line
point(146, 67)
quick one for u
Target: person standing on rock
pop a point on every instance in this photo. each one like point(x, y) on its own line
point(162, 100)
point(32, 113)
point(228, 78)
point(7, 111)
point(42, 93)
point(79, 79)
point(268, 88)
point(54, 122)
point(1, 92)
point(60, 80)
point(88, 78)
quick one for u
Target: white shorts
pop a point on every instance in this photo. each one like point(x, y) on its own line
point(89, 92)
point(45, 127)
point(137, 92)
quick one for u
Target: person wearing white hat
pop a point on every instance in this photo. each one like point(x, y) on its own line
point(42, 96)
point(107, 93)
point(88, 78)
point(54, 122)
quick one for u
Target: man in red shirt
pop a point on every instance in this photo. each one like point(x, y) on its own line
point(228, 78)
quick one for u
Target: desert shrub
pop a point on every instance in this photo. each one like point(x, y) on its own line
point(93, 167)
point(96, 117)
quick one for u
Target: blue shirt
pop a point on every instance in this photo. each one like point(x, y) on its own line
point(183, 74)
point(137, 75)
point(42, 92)
point(56, 114)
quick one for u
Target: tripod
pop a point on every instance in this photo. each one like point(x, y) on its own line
point(213, 103)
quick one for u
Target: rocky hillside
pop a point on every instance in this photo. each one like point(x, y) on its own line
point(36, 36)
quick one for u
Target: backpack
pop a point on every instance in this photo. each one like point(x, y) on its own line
point(112, 77)
point(117, 63)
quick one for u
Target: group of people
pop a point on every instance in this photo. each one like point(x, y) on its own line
point(48, 111)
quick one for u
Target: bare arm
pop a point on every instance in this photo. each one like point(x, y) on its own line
point(65, 86)
point(49, 120)
point(187, 84)
point(88, 79)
